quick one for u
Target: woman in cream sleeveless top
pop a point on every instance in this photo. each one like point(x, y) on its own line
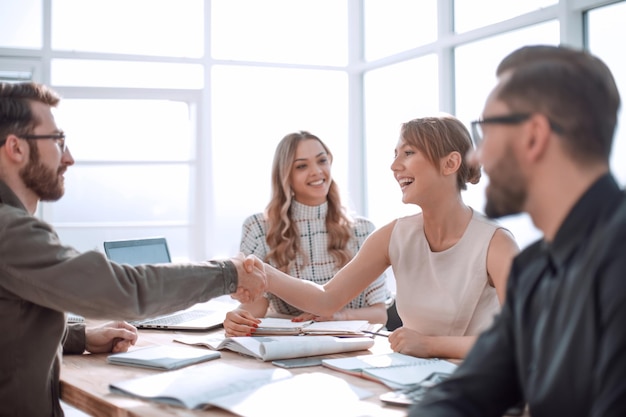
point(443, 293)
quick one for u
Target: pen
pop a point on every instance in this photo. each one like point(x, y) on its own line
point(385, 334)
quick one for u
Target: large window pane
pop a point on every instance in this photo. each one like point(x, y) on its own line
point(252, 109)
point(475, 76)
point(146, 27)
point(21, 24)
point(394, 95)
point(298, 32)
point(605, 26)
point(127, 130)
point(472, 14)
point(124, 194)
point(395, 26)
point(475, 69)
point(133, 174)
point(80, 73)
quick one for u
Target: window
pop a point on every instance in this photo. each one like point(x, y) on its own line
point(394, 95)
point(140, 27)
point(253, 109)
point(475, 76)
point(21, 24)
point(296, 32)
point(395, 26)
point(605, 25)
point(134, 172)
point(474, 14)
point(173, 109)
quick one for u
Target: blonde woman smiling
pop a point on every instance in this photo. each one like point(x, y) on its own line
point(306, 232)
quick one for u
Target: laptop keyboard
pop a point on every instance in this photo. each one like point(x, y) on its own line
point(175, 319)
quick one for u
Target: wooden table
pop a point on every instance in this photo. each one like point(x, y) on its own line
point(85, 381)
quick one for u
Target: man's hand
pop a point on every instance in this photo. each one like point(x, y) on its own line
point(114, 336)
point(251, 277)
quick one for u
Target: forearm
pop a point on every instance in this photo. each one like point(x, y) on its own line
point(305, 295)
point(257, 308)
point(410, 342)
point(375, 314)
point(451, 347)
point(74, 340)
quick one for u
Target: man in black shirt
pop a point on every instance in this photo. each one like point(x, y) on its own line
point(560, 341)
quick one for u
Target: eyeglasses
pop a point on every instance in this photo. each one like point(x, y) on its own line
point(510, 119)
point(59, 138)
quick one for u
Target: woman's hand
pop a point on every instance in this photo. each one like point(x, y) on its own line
point(410, 342)
point(240, 322)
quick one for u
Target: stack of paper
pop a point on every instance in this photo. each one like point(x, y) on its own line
point(246, 392)
point(392, 369)
point(162, 357)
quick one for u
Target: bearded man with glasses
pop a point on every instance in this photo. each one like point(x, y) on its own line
point(41, 279)
point(544, 141)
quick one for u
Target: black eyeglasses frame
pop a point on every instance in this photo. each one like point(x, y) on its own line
point(59, 138)
point(509, 119)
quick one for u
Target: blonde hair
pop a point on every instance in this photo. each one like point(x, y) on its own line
point(438, 136)
point(283, 237)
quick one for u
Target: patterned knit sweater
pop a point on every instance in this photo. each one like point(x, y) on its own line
point(318, 265)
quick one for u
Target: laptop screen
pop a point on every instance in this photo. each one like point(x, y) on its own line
point(138, 251)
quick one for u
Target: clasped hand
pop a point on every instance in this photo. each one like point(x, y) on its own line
point(115, 336)
point(251, 277)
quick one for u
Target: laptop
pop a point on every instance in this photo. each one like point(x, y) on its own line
point(202, 316)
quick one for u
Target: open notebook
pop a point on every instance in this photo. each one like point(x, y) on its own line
point(203, 316)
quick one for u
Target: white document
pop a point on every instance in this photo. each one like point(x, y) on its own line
point(269, 348)
point(392, 369)
point(162, 357)
point(248, 393)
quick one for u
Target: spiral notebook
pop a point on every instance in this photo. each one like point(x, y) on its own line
point(392, 369)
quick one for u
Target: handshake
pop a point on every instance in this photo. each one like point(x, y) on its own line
point(251, 277)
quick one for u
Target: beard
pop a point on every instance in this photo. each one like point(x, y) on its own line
point(43, 181)
point(506, 193)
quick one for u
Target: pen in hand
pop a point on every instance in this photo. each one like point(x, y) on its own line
point(383, 333)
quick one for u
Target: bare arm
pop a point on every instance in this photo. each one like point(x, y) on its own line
point(410, 342)
point(502, 250)
point(368, 264)
point(376, 313)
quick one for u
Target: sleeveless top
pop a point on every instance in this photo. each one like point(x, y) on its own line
point(317, 265)
point(443, 293)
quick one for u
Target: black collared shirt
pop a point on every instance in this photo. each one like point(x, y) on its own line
point(560, 340)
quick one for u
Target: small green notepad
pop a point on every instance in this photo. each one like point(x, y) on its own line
point(164, 357)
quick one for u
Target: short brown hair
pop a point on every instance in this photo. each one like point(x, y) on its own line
point(573, 88)
point(437, 137)
point(16, 115)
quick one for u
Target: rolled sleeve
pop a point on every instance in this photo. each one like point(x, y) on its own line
point(75, 339)
point(231, 278)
